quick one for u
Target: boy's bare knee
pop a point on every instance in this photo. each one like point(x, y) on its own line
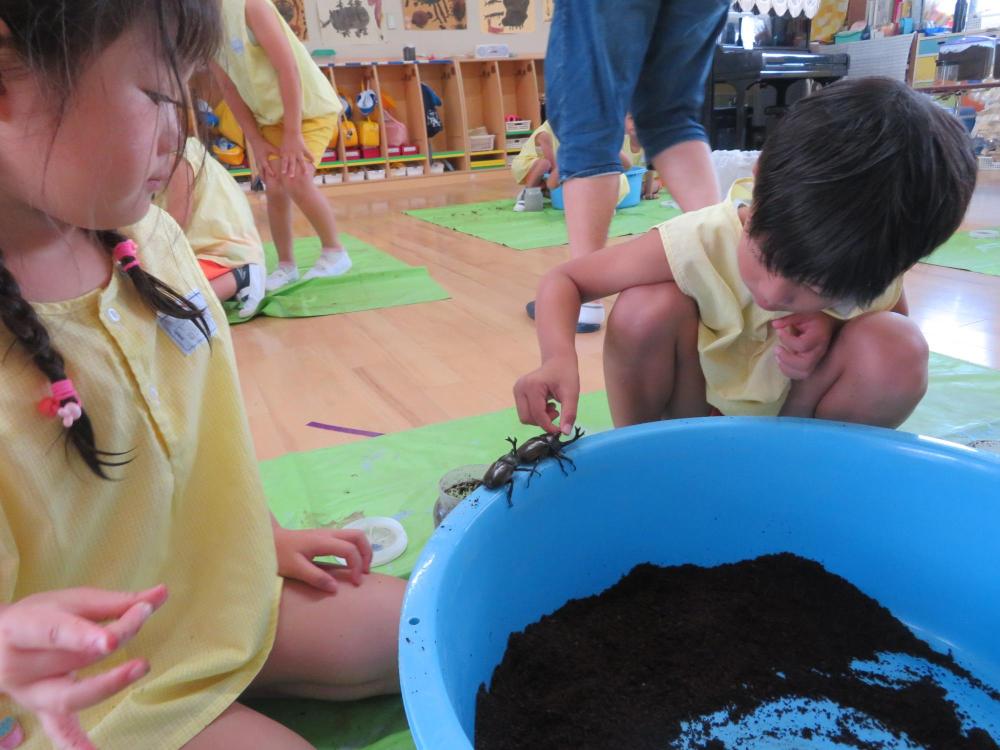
point(646, 313)
point(893, 354)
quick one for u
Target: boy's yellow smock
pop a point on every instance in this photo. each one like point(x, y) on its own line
point(530, 153)
point(735, 339)
point(221, 226)
point(247, 65)
point(188, 510)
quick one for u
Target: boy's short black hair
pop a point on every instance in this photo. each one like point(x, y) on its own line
point(856, 184)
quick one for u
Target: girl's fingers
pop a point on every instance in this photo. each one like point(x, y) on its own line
point(64, 695)
point(99, 604)
point(314, 575)
point(50, 629)
point(358, 538)
point(65, 731)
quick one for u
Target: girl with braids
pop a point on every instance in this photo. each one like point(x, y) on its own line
point(126, 465)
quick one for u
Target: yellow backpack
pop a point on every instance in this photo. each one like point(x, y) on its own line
point(349, 134)
point(370, 136)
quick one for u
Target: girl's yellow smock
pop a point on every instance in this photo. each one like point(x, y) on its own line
point(188, 511)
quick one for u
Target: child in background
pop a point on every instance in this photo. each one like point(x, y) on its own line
point(536, 166)
point(288, 111)
point(209, 206)
point(126, 464)
point(791, 305)
point(651, 183)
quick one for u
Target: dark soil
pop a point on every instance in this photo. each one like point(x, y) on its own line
point(463, 489)
point(624, 669)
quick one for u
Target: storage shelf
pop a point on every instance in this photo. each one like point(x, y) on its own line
point(476, 93)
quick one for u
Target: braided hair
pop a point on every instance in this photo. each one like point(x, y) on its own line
point(56, 39)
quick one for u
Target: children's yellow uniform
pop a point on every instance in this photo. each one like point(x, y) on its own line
point(247, 65)
point(188, 511)
point(530, 153)
point(735, 339)
point(221, 226)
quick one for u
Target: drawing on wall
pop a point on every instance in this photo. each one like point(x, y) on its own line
point(508, 16)
point(295, 14)
point(435, 15)
point(348, 22)
point(550, 8)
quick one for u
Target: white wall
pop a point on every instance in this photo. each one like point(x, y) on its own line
point(438, 43)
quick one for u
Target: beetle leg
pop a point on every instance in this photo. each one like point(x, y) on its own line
point(560, 457)
point(510, 494)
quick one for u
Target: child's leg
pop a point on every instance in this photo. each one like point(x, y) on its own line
point(651, 365)
point(240, 726)
point(224, 286)
point(536, 175)
point(279, 216)
point(875, 373)
point(311, 201)
point(335, 647)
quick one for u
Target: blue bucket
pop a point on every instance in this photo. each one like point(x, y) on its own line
point(634, 177)
point(911, 521)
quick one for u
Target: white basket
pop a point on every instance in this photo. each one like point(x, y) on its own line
point(517, 125)
point(375, 174)
point(415, 171)
point(986, 162)
point(437, 167)
point(481, 142)
point(398, 171)
point(357, 175)
point(516, 142)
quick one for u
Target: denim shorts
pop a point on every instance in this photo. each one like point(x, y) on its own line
point(610, 57)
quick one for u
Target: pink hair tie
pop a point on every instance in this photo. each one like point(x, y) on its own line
point(127, 255)
point(53, 406)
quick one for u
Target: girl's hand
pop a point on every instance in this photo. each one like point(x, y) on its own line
point(804, 339)
point(296, 550)
point(295, 155)
point(262, 152)
point(557, 379)
point(46, 638)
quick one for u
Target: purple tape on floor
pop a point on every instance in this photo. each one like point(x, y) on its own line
point(345, 430)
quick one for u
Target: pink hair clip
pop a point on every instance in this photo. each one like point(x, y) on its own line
point(53, 406)
point(127, 255)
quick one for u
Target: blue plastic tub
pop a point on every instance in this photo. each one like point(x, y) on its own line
point(911, 521)
point(634, 177)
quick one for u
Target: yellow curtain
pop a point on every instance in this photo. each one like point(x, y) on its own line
point(829, 20)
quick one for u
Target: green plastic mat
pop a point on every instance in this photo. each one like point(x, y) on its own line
point(977, 251)
point(397, 475)
point(496, 221)
point(376, 280)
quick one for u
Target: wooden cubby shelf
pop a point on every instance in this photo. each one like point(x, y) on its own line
point(474, 93)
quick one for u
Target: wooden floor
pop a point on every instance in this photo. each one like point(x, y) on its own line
point(394, 369)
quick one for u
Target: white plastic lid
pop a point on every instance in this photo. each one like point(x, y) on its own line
point(387, 537)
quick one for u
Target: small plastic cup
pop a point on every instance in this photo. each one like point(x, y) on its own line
point(446, 501)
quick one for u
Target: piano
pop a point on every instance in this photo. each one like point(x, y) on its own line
point(748, 56)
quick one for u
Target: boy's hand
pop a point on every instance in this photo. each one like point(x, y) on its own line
point(296, 550)
point(803, 340)
point(295, 155)
point(558, 379)
point(46, 638)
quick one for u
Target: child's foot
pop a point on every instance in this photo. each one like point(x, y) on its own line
point(591, 317)
point(282, 276)
point(519, 202)
point(249, 289)
point(331, 263)
point(590, 320)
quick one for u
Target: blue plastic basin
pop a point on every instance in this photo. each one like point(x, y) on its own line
point(913, 522)
point(634, 177)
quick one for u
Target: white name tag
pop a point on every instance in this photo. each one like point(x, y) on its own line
point(185, 333)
